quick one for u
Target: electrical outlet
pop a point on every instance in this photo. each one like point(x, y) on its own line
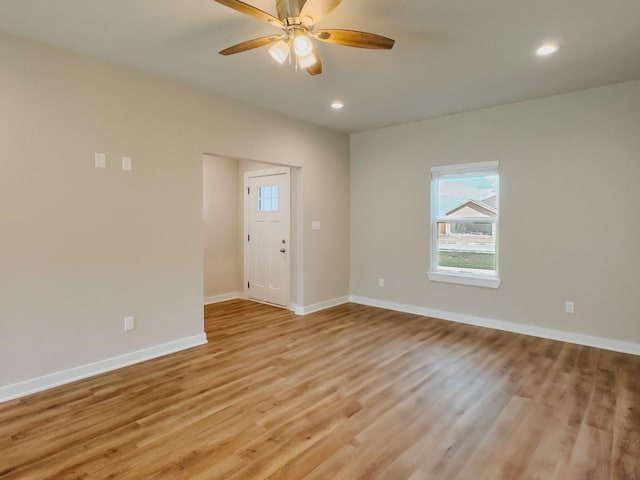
point(129, 323)
point(381, 282)
point(569, 307)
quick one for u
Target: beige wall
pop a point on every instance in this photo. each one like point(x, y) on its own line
point(556, 155)
point(222, 226)
point(82, 248)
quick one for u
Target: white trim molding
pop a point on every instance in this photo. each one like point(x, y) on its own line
point(34, 385)
point(524, 329)
point(477, 281)
point(320, 306)
point(222, 298)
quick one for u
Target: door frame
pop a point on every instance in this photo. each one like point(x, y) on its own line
point(245, 200)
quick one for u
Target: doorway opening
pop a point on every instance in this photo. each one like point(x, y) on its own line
point(234, 267)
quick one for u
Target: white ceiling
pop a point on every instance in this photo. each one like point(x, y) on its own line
point(450, 55)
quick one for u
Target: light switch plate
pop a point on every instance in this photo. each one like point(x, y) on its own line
point(101, 160)
point(129, 323)
point(127, 163)
point(315, 225)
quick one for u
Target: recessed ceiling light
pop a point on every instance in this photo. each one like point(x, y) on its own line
point(337, 105)
point(548, 48)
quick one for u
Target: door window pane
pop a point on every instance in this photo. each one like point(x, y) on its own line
point(268, 198)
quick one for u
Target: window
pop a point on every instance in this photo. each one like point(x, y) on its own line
point(464, 224)
point(268, 198)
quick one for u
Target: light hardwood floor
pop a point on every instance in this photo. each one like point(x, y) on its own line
point(352, 392)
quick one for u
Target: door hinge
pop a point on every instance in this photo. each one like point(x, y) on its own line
point(248, 190)
point(248, 284)
point(248, 238)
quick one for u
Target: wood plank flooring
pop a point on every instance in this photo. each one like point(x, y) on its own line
point(352, 392)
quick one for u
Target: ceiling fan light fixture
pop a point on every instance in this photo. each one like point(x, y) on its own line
point(296, 43)
point(302, 45)
point(279, 51)
point(307, 60)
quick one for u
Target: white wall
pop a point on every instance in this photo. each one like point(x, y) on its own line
point(570, 187)
point(82, 248)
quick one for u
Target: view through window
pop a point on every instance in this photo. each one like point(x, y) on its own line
point(465, 220)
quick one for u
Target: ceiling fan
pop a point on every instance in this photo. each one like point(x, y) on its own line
point(297, 19)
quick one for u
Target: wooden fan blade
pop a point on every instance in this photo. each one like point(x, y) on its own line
point(249, 45)
point(318, 9)
point(352, 38)
point(316, 68)
point(251, 10)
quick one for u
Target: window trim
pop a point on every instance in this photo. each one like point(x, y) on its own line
point(458, 277)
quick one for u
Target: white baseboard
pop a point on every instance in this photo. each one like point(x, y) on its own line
point(27, 387)
point(541, 332)
point(320, 306)
point(222, 298)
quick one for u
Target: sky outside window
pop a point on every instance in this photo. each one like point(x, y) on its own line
point(454, 192)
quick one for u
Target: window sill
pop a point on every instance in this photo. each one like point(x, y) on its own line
point(462, 279)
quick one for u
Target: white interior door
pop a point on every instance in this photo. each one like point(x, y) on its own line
point(268, 235)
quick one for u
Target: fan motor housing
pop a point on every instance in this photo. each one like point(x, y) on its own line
point(289, 9)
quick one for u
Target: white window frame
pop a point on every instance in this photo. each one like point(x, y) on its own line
point(460, 277)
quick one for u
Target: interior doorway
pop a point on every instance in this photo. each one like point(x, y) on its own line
point(225, 218)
